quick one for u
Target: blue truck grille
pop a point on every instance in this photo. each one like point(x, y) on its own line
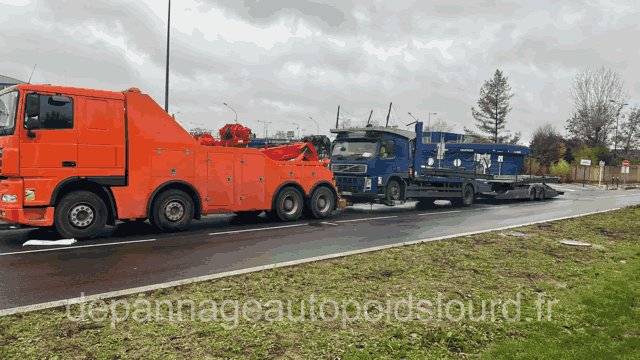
point(349, 168)
point(349, 188)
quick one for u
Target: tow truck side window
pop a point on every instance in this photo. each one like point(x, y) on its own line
point(50, 112)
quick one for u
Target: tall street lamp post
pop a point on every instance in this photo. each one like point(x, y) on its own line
point(166, 85)
point(316, 125)
point(233, 111)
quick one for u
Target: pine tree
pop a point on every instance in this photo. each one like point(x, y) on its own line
point(493, 107)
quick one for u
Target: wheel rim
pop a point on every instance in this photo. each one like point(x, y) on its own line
point(174, 211)
point(394, 193)
point(290, 205)
point(467, 196)
point(81, 215)
point(323, 203)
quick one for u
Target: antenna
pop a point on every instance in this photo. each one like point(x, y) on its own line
point(338, 116)
point(265, 126)
point(369, 117)
point(387, 125)
point(34, 69)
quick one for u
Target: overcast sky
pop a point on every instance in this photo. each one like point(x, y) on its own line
point(284, 61)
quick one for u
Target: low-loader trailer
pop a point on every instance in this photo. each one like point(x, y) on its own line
point(78, 159)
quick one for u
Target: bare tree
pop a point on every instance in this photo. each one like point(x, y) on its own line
point(440, 125)
point(493, 107)
point(630, 131)
point(595, 95)
point(345, 123)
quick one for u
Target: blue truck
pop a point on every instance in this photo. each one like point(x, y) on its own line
point(391, 166)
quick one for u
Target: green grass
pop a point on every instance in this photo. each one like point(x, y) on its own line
point(595, 314)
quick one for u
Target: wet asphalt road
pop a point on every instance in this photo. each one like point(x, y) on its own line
point(134, 255)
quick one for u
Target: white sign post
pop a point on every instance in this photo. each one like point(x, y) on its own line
point(625, 170)
point(500, 161)
point(586, 163)
point(601, 172)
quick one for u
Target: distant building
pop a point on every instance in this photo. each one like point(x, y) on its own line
point(6, 82)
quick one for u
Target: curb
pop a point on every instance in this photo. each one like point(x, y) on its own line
point(112, 294)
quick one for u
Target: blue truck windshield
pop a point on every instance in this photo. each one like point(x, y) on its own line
point(363, 149)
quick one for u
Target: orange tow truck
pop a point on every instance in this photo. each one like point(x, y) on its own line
point(78, 159)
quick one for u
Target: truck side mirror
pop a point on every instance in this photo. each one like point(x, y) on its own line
point(33, 105)
point(32, 123)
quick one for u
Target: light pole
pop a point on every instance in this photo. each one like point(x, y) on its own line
point(412, 117)
point(166, 85)
point(429, 123)
point(615, 151)
point(316, 125)
point(233, 111)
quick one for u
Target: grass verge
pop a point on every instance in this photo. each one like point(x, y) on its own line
point(541, 299)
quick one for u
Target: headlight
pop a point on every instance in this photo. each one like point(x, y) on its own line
point(379, 180)
point(9, 198)
point(367, 184)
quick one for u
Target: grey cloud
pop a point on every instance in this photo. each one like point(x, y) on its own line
point(345, 64)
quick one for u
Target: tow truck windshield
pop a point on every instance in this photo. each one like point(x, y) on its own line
point(359, 149)
point(8, 110)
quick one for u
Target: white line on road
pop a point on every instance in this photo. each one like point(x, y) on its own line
point(328, 223)
point(77, 247)
point(249, 230)
point(438, 213)
point(58, 303)
point(376, 218)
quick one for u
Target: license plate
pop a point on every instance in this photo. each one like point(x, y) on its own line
point(346, 193)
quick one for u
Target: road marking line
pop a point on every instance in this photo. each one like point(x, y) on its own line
point(376, 218)
point(112, 294)
point(443, 212)
point(50, 242)
point(249, 230)
point(328, 223)
point(76, 247)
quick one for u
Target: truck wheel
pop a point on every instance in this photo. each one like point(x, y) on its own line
point(289, 204)
point(541, 195)
point(532, 194)
point(320, 204)
point(425, 204)
point(466, 199)
point(393, 190)
point(80, 215)
point(173, 210)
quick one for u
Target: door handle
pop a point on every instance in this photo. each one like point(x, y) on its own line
point(68, 164)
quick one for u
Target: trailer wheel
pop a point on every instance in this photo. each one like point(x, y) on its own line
point(541, 195)
point(289, 204)
point(80, 215)
point(393, 190)
point(532, 194)
point(466, 199)
point(320, 204)
point(173, 210)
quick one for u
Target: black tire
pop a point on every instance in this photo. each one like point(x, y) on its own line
point(467, 197)
point(80, 215)
point(393, 191)
point(173, 210)
point(320, 204)
point(532, 194)
point(425, 204)
point(288, 205)
point(541, 195)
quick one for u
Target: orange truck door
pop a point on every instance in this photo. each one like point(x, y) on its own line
point(101, 137)
point(49, 149)
point(251, 188)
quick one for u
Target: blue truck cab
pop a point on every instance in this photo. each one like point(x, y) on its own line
point(365, 160)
